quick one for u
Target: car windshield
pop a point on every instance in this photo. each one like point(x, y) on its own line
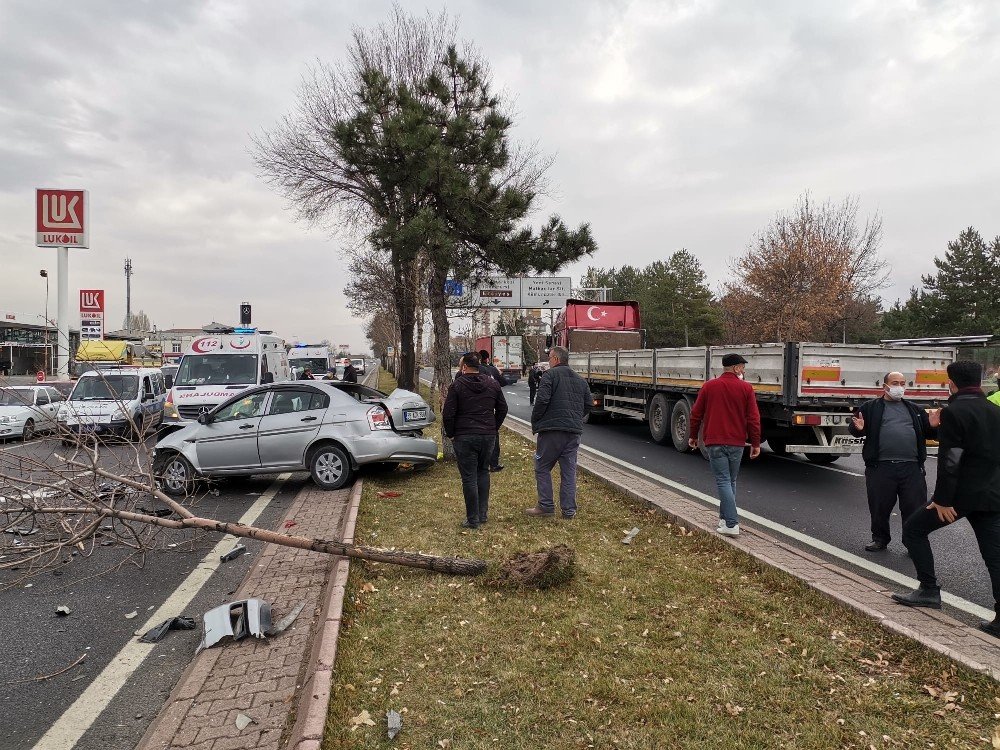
point(106, 388)
point(11, 397)
point(217, 369)
point(316, 364)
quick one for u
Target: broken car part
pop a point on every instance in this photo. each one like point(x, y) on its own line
point(153, 635)
point(237, 619)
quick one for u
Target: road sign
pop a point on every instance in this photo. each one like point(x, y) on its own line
point(390, 350)
point(62, 218)
point(549, 292)
point(91, 313)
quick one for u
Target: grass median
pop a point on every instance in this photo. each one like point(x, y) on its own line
point(677, 640)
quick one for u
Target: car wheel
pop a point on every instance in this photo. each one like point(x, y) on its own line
point(330, 468)
point(29, 431)
point(177, 475)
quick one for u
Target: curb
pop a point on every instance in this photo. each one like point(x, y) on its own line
point(960, 631)
point(314, 696)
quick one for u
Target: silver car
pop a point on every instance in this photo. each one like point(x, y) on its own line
point(28, 409)
point(328, 428)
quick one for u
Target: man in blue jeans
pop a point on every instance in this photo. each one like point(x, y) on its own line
point(727, 407)
point(473, 412)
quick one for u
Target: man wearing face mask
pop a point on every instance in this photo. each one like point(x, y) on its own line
point(968, 486)
point(895, 432)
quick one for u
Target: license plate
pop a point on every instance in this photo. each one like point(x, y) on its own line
point(414, 415)
point(847, 440)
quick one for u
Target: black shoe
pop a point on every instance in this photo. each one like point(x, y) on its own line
point(992, 628)
point(482, 521)
point(876, 545)
point(498, 467)
point(920, 598)
point(467, 525)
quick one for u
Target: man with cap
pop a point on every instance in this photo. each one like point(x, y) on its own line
point(727, 407)
point(968, 486)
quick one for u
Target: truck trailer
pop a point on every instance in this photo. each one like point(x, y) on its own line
point(806, 392)
point(505, 352)
point(585, 326)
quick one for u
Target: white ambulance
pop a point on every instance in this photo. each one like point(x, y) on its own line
point(219, 365)
point(315, 358)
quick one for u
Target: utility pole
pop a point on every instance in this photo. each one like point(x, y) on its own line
point(128, 294)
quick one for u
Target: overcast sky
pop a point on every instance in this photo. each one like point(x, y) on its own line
point(672, 124)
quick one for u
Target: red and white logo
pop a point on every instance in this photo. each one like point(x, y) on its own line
point(206, 344)
point(91, 301)
point(61, 218)
point(239, 343)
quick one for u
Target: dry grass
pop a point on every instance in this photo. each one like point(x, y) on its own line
point(675, 641)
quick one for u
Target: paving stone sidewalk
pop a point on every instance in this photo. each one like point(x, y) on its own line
point(262, 678)
point(933, 628)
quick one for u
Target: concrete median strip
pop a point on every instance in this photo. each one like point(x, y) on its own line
point(935, 630)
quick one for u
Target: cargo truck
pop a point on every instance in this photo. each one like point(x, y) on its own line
point(806, 392)
point(506, 349)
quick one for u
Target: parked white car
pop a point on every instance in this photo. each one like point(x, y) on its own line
point(26, 410)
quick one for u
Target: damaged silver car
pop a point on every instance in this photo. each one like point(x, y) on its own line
point(327, 428)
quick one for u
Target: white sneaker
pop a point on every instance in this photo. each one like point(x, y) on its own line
point(722, 523)
point(727, 531)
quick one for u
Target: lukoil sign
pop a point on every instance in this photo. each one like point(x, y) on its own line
point(62, 218)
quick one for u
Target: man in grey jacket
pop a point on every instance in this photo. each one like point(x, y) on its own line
point(562, 401)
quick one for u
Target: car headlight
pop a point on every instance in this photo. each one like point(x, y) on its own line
point(170, 411)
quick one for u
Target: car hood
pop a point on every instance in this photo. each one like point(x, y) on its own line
point(93, 408)
point(407, 410)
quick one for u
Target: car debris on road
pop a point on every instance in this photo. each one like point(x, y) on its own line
point(154, 635)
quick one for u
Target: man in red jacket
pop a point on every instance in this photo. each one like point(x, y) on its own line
point(727, 408)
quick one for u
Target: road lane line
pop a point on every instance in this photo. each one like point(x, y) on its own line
point(78, 718)
point(879, 570)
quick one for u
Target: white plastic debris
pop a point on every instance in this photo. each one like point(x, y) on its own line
point(631, 535)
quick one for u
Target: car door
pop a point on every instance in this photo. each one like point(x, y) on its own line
point(52, 410)
point(292, 421)
point(42, 409)
point(229, 441)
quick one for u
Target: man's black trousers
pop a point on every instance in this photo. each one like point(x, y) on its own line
point(888, 481)
point(472, 453)
point(985, 524)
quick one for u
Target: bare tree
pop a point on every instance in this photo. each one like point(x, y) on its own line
point(813, 265)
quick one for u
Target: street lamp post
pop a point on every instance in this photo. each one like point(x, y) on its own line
point(48, 354)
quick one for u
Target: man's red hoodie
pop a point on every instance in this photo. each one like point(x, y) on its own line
point(728, 408)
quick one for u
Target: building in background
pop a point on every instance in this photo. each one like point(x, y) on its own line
point(27, 345)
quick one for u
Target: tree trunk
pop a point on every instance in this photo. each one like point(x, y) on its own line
point(406, 313)
point(419, 348)
point(442, 343)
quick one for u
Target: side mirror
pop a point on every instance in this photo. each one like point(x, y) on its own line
point(168, 381)
point(204, 419)
point(268, 378)
point(147, 396)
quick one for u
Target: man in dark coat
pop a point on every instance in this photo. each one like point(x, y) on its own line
point(968, 486)
point(486, 367)
point(350, 373)
point(562, 401)
point(895, 432)
point(534, 375)
point(472, 414)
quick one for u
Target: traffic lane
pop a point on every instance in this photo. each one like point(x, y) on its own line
point(828, 505)
point(101, 588)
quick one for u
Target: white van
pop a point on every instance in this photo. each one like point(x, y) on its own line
point(316, 358)
point(219, 365)
point(123, 401)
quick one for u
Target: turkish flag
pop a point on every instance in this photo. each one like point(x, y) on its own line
point(601, 316)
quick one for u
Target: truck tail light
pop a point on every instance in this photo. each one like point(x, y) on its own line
point(808, 419)
point(378, 419)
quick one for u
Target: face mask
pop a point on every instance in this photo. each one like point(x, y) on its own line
point(896, 392)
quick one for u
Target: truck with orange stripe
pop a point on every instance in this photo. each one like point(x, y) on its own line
point(806, 392)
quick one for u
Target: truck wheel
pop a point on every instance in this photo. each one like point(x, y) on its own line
point(778, 447)
point(821, 458)
point(680, 425)
point(659, 418)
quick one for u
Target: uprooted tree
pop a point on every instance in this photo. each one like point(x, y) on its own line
point(63, 495)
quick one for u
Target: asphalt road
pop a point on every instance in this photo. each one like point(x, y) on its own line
point(102, 588)
point(826, 503)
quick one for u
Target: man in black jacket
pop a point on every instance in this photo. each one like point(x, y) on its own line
point(562, 401)
point(968, 486)
point(895, 432)
point(350, 373)
point(472, 414)
point(485, 366)
point(534, 375)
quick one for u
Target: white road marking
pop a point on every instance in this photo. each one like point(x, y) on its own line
point(879, 570)
point(78, 718)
